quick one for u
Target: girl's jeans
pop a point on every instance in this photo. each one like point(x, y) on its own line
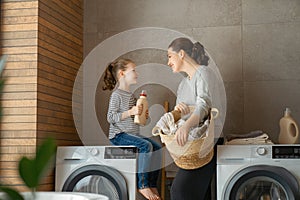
point(149, 158)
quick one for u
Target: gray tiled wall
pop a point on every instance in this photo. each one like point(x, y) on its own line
point(255, 43)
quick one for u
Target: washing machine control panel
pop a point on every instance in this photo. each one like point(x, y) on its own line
point(286, 152)
point(116, 152)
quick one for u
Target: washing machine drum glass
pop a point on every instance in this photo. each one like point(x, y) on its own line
point(97, 184)
point(260, 188)
point(98, 179)
point(263, 182)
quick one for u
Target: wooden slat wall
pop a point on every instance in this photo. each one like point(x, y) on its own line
point(19, 100)
point(60, 55)
point(44, 42)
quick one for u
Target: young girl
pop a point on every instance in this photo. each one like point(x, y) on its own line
point(123, 131)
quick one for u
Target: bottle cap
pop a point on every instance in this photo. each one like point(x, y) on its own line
point(287, 111)
point(143, 93)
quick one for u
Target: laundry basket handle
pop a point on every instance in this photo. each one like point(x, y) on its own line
point(156, 131)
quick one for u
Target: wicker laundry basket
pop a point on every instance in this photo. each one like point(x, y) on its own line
point(195, 153)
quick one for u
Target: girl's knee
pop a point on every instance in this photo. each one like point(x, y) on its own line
point(146, 147)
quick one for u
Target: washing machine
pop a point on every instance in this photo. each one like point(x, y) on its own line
point(248, 172)
point(106, 170)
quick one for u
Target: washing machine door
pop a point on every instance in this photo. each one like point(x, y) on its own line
point(99, 179)
point(262, 182)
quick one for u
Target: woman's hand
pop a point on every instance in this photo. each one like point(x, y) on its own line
point(181, 135)
point(183, 108)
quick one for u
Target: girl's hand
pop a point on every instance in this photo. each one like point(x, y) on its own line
point(181, 135)
point(147, 114)
point(136, 110)
point(183, 108)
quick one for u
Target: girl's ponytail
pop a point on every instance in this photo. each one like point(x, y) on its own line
point(111, 72)
point(109, 78)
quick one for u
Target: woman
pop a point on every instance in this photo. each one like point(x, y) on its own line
point(190, 58)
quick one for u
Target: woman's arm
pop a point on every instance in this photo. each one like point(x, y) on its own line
point(183, 132)
point(202, 105)
point(203, 98)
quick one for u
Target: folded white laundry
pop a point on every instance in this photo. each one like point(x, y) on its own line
point(261, 139)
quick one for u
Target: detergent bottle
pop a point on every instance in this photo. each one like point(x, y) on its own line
point(142, 118)
point(289, 132)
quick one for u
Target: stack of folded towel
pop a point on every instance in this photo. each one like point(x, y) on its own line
point(253, 137)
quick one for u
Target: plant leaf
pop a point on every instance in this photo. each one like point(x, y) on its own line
point(31, 171)
point(11, 193)
point(28, 172)
point(44, 155)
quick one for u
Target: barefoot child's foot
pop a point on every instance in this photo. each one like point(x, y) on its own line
point(149, 194)
point(155, 191)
